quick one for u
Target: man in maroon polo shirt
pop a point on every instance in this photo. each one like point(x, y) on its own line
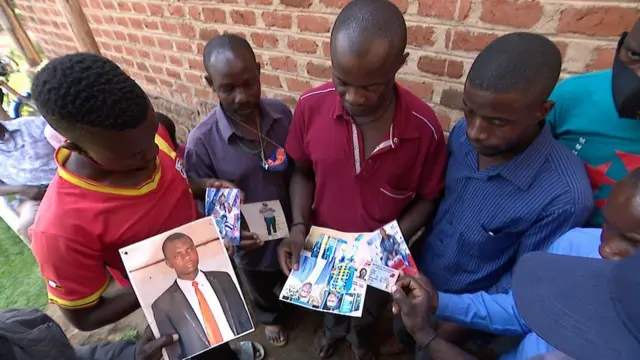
point(366, 150)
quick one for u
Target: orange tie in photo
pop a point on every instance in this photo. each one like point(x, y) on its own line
point(210, 324)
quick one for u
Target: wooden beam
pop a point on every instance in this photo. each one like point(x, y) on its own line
point(72, 10)
point(20, 37)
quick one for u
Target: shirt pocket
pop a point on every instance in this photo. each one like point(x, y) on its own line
point(495, 242)
point(385, 203)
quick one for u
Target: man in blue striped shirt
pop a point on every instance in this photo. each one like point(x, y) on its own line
point(510, 187)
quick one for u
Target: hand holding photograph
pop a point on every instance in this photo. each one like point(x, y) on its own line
point(186, 285)
point(266, 219)
point(223, 205)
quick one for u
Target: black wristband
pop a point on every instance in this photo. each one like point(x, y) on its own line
point(426, 344)
point(299, 224)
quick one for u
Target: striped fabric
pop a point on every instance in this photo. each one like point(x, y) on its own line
point(489, 218)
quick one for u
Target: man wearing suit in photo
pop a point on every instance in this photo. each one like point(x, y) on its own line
point(204, 307)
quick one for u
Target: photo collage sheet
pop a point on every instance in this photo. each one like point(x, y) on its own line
point(226, 208)
point(336, 268)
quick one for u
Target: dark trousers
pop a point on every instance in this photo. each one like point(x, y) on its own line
point(358, 331)
point(261, 287)
point(271, 225)
point(220, 352)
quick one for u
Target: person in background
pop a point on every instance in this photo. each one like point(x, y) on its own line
point(53, 137)
point(367, 151)
point(232, 143)
point(585, 308)
point(511, 187)
point(118, 183)
point(497, 313)
point(597, 116)
point(170, 126)
point(26, 167)
point(20, 329)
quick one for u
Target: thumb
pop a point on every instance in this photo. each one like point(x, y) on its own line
point(295, 259)
point(161, 342)
point(400, 299)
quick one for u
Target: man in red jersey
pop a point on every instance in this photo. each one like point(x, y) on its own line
point(119, 181)
point(366, 150)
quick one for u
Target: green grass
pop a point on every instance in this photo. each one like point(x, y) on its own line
point(21, 285)
point(129, 335)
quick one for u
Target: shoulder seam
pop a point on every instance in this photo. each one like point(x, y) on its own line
point(316, 93)
point(435, 134)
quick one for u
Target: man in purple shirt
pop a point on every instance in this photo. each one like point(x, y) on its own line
point(232, 144)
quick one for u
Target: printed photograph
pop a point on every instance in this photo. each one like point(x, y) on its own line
point(328, 278)
point(389, 255)
point(186, 285)
point(266, 219)
point(223, 205)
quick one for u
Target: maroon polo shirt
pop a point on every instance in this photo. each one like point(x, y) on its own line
point(355, 194)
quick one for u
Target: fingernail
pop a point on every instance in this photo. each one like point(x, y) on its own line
point(394, 288)
point(175, 337)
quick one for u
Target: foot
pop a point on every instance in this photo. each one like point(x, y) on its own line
point(362, 353)
point(248, 350)
point(392, 347)
point(276, 335)
point(324, 347)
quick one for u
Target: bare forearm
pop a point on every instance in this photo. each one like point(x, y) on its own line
point(419, 214)
point(10, 189)
point(110, 308)
point(301, 192)
point(440, 349)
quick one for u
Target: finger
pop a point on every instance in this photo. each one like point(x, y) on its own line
point(283, 259)
point(155, 347)
point(410, 285)
point(147, 335)
point(248, 243)
point(400, 299)
point(395, 309)
point(248, 235)
point(295, 259)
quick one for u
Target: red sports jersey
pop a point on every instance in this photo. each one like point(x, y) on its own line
point(81, 225)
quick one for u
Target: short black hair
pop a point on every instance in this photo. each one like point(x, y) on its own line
point(521, 62)
point(227, 44)
point(88, 90)
point(171, 238)
point(169, 125)
point(366, 20)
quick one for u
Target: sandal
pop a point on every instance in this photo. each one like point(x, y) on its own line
point(276, 335)
point(249, 350)
point(324, 347)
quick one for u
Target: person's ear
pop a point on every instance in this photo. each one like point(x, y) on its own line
point(546, 109)
point(405, 56)
point(73, 147)
point(209, 81)
point(166, 261)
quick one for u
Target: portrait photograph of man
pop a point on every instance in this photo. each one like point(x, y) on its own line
point(198, 300)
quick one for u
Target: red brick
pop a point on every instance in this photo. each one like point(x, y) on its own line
point(264, 40)
point(155, 10)
point(93, 4)
point(133, 38)
point(108, 47)
point(195, 64)
point(107, 34)
point(444, 119)
point(297, 3)
point(270, 80)
point(193, 78)
point(207, 33)
point(187, 30)
point(420, 35)
point(128, 62)
point(121, 21)
point(151, 24)
point(452, 98)
point(314, 24)
point(119, 35)
point(177, 10)
point(562, 46)
point(319, 70)
point(258, 2)
point(326, 49)
point(303, 46)
point(203, 94)
point(124, 7)
point(135, 23)
point(515, 13)
point(164, 44)
point(173, 73)
point(443, 9)
point(455, 69)
point(275, 19)
point(194, 12)
point(422, 89)
point(182, 45)
point(403, 5)
point(168, 28)
point(598, 21)
point(464, 9)
point(108, 5)
point(432, 65)
point(176, 60)
point(159, 57)
point(336, 4)
point(243, 17)
point(284, 63)
point(468, 41)
point(602, 58)
point(96, 19)
point(165, 83)
point(144, 54)
point(118, 48)
point(142, 66)
point(150, 79)
point(298, 85)
point(140, 8)
point(215, 15)
point(148, 40)
point(156, 70)
point(184, 88)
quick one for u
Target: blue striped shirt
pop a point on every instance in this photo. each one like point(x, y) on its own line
point(489, 218)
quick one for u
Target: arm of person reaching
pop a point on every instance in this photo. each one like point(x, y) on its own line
point(77, 280)
point(412, 301)
point(31, 192)
point(301, 189)
point(147, 348)
point(422, 209)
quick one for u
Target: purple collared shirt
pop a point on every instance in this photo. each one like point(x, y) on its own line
point(216, 149)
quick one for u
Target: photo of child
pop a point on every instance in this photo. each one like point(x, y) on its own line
point(223, 205)
point(266, 219)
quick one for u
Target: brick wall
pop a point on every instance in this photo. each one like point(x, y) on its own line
point(160, 42)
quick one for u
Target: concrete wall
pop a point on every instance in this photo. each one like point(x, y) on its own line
point(160, 42)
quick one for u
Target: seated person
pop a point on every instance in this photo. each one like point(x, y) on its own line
point(597, 116)
point(498, 314)
point(26, 167)
point(170, 126)
point(510, 187)
point(585, 308)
